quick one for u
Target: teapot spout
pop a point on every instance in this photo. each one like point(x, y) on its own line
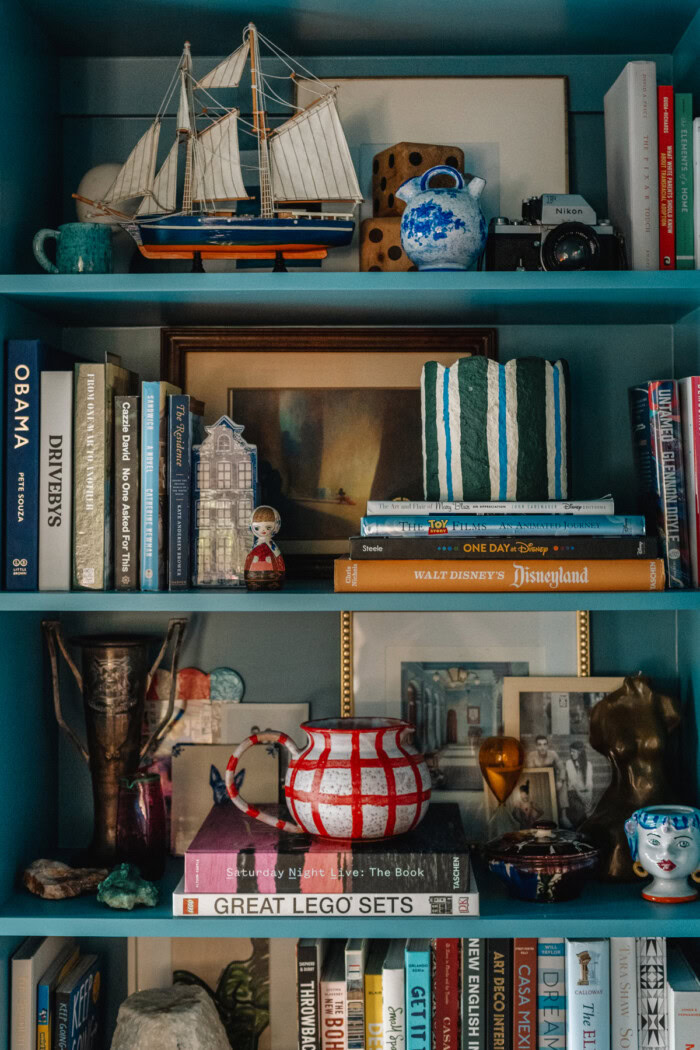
point(475, 187)
point(408, 189)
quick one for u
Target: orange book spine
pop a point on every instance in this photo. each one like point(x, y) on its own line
point(638, 574)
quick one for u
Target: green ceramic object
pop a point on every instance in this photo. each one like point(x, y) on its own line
point(81, 247)
point(124, 888)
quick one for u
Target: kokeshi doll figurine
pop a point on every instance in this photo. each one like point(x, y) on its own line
point(665, 843)
point(264, 566)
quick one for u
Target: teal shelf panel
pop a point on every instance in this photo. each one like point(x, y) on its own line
point(317, 596)
point(602, 911)
point(358, 298)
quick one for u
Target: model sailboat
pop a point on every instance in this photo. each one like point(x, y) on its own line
point(303, 162)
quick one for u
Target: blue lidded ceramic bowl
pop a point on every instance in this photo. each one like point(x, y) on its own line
point(544, 864)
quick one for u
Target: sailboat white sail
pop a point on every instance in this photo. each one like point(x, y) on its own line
point(136, 176)
point(163, 196)
point(228, 73)
point(310, 157)
point(217, 164)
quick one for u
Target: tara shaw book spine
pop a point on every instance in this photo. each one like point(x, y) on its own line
point(464, 576)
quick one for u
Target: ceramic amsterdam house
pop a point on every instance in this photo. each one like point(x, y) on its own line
point(224, 494)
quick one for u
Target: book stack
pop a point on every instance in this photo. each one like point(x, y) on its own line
point(652, 147)
point(237, 865)
point(549, 546)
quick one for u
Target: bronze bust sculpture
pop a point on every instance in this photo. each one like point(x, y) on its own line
point(632, 727)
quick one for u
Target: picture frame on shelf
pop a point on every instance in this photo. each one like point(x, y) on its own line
point(533, 798)
point(334, 412)
point(551, 716)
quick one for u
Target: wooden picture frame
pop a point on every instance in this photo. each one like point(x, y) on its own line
point(316, 381)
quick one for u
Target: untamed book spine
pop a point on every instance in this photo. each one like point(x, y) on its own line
point(179, 494)
point(473, 993)
point(588, 994)
point(623, 991)
point(667, 453)
point(446, 993)
point(499, 982)
point(525, 993)
point(418, 995)
point(667, 222)
point(126, 492)
point(551, 993)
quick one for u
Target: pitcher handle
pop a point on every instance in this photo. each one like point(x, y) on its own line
point(441, 169)
point(269, 736)
point(38, 249)
point(53, 634)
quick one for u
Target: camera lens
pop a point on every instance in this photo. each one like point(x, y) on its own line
point(571, 246)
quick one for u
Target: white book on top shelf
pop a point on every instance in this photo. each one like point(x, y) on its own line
point(631, 154)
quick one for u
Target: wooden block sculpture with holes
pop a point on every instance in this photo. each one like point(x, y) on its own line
point(380, 246)
point(403, 161)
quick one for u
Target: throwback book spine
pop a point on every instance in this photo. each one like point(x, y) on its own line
point(126, 492)
point(463, 576)
point(473, 993)
point(521, 525)
point(667, 453)
point(683, 157)
point(551, 993)
point(310, 954)
point(588, 994)
point(623, 993)
point(667, 217)
point(179, 494)
point(56, 481)
point(418, 994)
point(538, 548)
point(499, 978)
point(525, 993)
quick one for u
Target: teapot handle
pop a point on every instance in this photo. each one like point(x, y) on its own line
point(441, 169)
point(269, 736)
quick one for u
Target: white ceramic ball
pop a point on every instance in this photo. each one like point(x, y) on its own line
point(94, 185)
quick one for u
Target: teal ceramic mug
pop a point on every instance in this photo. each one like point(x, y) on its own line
point(81, 247)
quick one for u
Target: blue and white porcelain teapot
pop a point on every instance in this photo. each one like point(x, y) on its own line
point(442, 229)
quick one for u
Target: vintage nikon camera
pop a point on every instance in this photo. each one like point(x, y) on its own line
point(558, 231)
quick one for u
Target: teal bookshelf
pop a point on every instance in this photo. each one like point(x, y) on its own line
point(77, 77)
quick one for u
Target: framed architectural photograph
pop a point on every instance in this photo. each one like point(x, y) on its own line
point(551, 716)
point(533, 798)
point(334, 412)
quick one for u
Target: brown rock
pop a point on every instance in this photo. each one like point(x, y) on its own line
point(55, 881)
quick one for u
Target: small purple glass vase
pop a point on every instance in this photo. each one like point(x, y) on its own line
point(141, 835)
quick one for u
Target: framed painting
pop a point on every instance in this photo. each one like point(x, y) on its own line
point(335, 414)
point(551, 716)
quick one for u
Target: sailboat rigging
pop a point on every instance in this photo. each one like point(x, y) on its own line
point(304, 162)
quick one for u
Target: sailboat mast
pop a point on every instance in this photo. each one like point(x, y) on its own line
point(260, 126)
point(186, 90)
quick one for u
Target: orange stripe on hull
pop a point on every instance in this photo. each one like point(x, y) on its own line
point(227, 251)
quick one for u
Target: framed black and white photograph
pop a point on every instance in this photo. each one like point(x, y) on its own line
point(533, 798)
point(551, 716)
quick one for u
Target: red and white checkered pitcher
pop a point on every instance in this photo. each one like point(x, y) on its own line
point(357, 778)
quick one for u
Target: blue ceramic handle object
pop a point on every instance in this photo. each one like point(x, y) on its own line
point(441, 169)
point(38, 247)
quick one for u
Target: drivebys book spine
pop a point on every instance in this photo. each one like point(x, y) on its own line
point(465, 576)
point(179, 495)
point(551, 993)
point(56, 481)
point(446, 997)
point(667, 452)
point(452, 525)
point(126, 492)
point(588, 994)
point(667, 222)
point(285, 904)
point(473, 993)
point(539, 548)
point(683, 157)
point(623, 993)
point(499, 1027)
point(525, 993)
point(418, 995)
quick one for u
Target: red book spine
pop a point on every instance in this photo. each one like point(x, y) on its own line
point(525, 993)
point(667, 214)
point(446, 993)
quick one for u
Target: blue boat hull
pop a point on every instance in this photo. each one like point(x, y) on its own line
point(238, 236)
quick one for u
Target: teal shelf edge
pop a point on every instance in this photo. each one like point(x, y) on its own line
point(317, 596)
point(359, 298)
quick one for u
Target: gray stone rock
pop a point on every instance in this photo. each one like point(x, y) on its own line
point(55, 881)
point(179, 1018)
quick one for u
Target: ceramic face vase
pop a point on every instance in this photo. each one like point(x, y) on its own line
point(442, 229)
point(665, 843)
point(357, 778)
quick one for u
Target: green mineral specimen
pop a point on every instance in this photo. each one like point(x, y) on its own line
point(124, 888)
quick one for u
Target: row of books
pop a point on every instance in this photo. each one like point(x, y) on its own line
point(98, 472)
point(497, 994)
point(555, 545)
point(56, 997)
point(652, 147)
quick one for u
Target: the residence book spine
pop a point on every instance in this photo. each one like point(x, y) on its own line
point(334, 999)
point(652, 1007)
point(667, 452)
point(374, 1014)
point(282, 905)
point(473, 993)
point(683, 158)
point(355, 960)
point(418, 994)
point(394, 997)
point(400, 508)
point(446, 1004)
point(689, 394)
point(126, 492)
point(179, 491)
point(632, 162)
point(538, 548)
point(498, 576)
point(683, 1002)
point(667, 221)
point(623, 993)
point(640, 419)
point(452, 525)
point(525, 993)
point(310, 955)
point(551, 993)
point(56, 481)
point(588, 994)
point(499, 1003)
